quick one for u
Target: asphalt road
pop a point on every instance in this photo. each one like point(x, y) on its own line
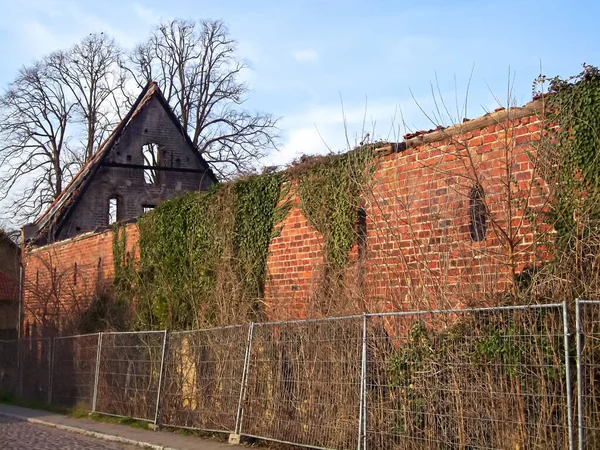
point(20, 435)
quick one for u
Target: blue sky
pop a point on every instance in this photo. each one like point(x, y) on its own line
point(307, 57)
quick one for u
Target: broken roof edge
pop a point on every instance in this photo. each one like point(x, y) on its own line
point(501, 115)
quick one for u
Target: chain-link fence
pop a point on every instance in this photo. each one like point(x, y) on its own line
point(485, 379)
point(490, 378)
point(74, 370)
point(588, 373)
point(303, 383)
point(35, 362)
point(129, 374)
point(203, 378)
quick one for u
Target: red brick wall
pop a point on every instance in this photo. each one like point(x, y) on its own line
point(419, 253)
point(62, 279)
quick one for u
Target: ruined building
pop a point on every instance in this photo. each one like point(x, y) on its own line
point(442, 225)
point(147, 159)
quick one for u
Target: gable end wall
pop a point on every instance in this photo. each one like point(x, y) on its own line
point(150, 125)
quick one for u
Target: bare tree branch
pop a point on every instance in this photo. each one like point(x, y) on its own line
point(34, 152)
point(92, 72)
point(196, 67)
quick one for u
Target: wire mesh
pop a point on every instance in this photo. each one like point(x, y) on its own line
point(36, 357)
point(74, 369)
point(491, 378)
point(129, 373)
point(9, 368)
point(303, 383)
point(589, 374)
point(203, 378)
point(485, 379)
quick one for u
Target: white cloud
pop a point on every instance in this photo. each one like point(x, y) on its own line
point(146, 14)
point(39, 26)
point(300, 141)
point(330, 128)
point(321, 129)
point(307, 55)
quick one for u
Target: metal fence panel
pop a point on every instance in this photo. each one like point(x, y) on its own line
point(36, 355)
point(74, 367)
point(9, 368)
point(485, 379)
point(129, 374)
point(491, 378)
point(203, 378)
point(303, 383)
point(589, 373)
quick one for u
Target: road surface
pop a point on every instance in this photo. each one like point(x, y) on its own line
point(21, 435)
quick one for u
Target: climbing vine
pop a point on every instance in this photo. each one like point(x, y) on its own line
point(574, 159)
point(329, 189)
point(255, 216)
point(203, 255)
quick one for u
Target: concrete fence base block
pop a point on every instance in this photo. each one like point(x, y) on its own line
point(234, 438)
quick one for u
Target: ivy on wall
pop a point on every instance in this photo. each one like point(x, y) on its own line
point(255, 200)
point(329, 189)
point(574, 107)
point(203, 255)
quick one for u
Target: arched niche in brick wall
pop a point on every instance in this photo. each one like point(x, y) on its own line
point(477, 214)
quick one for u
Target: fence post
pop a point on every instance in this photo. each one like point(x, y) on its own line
point(235, 437)
point(51, 369)
point(362, 413)
point(568, 375)
point(579, 375)
point(160, 381)
point(97, 372)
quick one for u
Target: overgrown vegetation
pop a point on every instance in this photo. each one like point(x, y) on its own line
point(329, 189)
point(574, 107)
point(571, 157)
point(202, 256)
point(445, 375)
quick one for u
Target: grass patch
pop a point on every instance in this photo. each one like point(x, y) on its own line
point(114, 420)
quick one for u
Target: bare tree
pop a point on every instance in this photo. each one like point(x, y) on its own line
point(196, 67)
point(92, 72)
point(34, 152)
point(68, 96)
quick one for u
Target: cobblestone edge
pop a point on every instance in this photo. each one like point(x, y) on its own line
point(82, 431)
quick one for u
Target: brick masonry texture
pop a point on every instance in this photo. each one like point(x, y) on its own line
point(63, 278)
point(419, 252)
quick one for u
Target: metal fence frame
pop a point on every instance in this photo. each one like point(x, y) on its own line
point(37, 381)
point(585, 310)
